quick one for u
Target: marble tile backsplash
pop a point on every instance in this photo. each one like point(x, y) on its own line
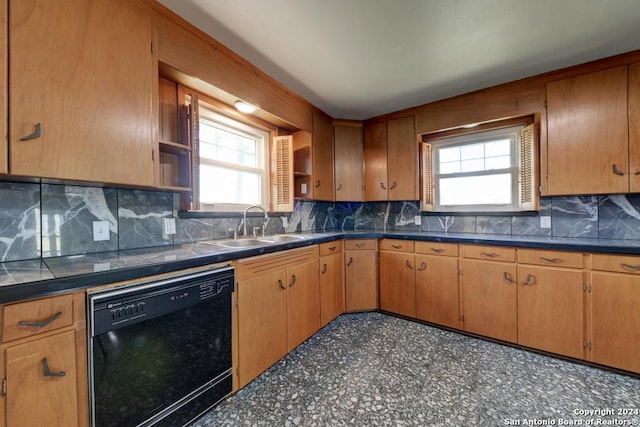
point(50, 220)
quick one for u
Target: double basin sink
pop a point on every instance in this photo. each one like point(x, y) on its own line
point(260, 241)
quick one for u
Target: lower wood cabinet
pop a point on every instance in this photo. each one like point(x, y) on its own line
point(44, 364)
point(42, 382)
point(615, 299)
point(489, 299)
point(361, 274)
point(331, 281)
point(397, 277)
point(551, 303)
point(437, 293)
point(277, 308)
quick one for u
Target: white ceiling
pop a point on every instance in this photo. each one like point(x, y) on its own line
point(356, 59)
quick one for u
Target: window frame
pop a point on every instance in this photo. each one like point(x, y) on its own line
point(233, 119)
point(523, 167)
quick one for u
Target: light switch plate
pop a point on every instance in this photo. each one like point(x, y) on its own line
point(303, 188)
point(545, 221)
point(418, 220)
point(168, 226)
point(100, 231)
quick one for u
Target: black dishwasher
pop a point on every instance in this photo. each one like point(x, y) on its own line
point(160, 352)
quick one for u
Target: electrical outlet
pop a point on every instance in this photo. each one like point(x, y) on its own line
point(168, 226)
point(418, 220)
point(545, 221)
point(100, 231)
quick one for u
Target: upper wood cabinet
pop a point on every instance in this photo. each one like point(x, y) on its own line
point(634, 127)
point(313, 161)
point(4, 150)
point(348, 162)
point(82, 81)
point(391, 160)
point(588, 136)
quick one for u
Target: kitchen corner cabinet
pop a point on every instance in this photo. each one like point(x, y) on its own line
point(391, 160)
point(313, 161)
point(361, 274)
point(278, 307)
point(551, 301)
point(83, 113)
point(397, 277)
point(437, 293)
point(489, 292)
point(615, 298)
point(587, 134)
point(331, 281)
point(44, 362)
point(348, 161)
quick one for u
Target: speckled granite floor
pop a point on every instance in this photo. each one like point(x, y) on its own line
point(372, 369)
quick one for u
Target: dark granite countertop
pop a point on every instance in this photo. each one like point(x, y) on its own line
point(34, 278)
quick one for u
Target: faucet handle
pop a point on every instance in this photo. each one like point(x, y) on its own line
point(233, 233)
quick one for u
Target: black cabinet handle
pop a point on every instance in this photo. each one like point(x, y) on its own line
point(408, 264)
point(508, 278)
point(382, 185)
point(282, 286)
point(393, 185)
point(48, 373)
point(317, 183)
point(350, 261)
point(339, 187)
point(324, 268)
point(422, 267)
point(40, 324)
point(617, 171)
point(36, 133)
point(293, 281)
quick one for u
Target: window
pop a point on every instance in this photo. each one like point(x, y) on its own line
point(484, 171)
point(232, 163)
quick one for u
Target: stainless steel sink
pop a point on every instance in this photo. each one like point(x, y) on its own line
point(280, 238)
point(241, 243)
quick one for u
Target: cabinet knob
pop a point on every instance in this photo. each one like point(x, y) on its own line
point(36, 133)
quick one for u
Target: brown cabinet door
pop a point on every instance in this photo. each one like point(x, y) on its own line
point(36, 397)
point(262, 324)
point(398, 283)
point(92, 103)
point(588, 136)
point(348, 163)
point(361, 280)
point(375, 162)
point(402, 159)
point(550, 310)
point(634, 127)
point(303, 303)
point(616, 320)
point(437, 298)
point(489, 299)
point(322, 143)
point(331, 287)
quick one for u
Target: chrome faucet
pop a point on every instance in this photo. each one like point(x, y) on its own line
point(244, 218)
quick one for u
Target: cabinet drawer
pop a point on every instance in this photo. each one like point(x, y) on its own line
point(491, 253)
point(356, 244)
point(617, 263)
point(551, 258)
point(436, 248)
point(329, 248)
point(396, 245)
point(35, 317)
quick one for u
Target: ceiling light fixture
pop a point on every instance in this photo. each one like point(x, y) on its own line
point(244, 107)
